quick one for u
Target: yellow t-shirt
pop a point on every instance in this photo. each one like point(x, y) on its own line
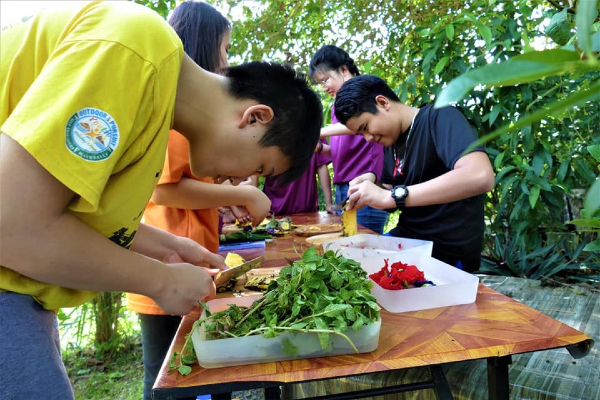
point(90, 93)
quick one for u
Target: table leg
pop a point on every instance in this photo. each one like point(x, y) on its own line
point(442, 389)
point(221, 396)
point(498, 380)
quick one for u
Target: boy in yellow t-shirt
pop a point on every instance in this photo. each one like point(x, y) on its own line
point(87, 97)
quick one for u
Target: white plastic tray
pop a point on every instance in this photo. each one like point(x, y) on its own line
point(257, 349)
point(453, 286)
point(367, 245)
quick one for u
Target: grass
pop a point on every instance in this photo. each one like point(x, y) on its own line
point(115, 375)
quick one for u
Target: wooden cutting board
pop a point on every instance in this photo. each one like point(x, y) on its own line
point(318, 240)
point(317, 229)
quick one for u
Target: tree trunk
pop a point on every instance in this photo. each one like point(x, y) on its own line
point(107, 306)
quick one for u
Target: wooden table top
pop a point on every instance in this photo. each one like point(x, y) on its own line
point(493, 326)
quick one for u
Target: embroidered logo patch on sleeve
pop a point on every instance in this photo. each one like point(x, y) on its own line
point(92, 134)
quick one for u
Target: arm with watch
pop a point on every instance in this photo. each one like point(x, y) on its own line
point(472, 175)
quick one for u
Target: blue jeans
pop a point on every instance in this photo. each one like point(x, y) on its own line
point(368, 217)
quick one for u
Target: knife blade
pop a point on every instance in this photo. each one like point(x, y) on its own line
point(342, 204)
point(225, 276)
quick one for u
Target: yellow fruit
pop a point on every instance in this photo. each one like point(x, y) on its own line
point(349, 224)
point(265, 221)
point(233, 259)
point(242, 224)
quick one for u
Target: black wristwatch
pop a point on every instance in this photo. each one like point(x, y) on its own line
point(399, 194)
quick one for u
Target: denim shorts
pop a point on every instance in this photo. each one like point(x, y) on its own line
point(31, 366)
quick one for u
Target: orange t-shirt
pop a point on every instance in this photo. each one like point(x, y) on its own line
point(199, 225)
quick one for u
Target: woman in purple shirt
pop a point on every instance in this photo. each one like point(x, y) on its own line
point(302, 194)
point(351, 154)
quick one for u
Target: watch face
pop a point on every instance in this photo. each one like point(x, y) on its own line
point(399, 192)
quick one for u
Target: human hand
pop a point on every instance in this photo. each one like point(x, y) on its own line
point(241, 214)
point(186, 250)
point(319, 147)
point(366, 193)
point(227, 215)
point(369, 176)
point(330, 208)
point(258, 204)
point(251, 180)
point(185, 286)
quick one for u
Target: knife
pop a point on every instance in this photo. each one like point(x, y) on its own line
point(225, 276)
point(342, 204)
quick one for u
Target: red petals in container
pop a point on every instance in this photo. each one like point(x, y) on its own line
point(399, 276)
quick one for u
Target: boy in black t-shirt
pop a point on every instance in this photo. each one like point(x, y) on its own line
point(426, 174)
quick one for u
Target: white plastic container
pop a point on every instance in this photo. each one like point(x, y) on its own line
point(367, 245)
point(257, 349)
point(453, 286)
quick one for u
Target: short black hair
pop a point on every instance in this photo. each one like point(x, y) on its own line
point(331, 58)
point(298, 113)
point(201, 28)
point(357, 96)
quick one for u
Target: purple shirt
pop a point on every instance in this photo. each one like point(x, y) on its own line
point(299, 196)
point(352, 156)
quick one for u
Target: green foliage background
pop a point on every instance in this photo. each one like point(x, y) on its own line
point(537, 112)
point(418, 49)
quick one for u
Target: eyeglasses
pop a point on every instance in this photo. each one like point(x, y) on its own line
point(325, 83)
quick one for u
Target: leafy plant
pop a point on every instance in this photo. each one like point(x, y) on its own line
point(162, 7)
point(591, 212)
point(529, 193)
point(509, 256)
point(322, 294)
point(118, 375)
point(107, 306)
point(181, 360)
point(325, 295)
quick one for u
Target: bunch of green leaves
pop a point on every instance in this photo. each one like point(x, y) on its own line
point(181, 360)
point(325, 295)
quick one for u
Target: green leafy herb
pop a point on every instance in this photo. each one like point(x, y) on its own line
point(324, 294)
point(181, 361)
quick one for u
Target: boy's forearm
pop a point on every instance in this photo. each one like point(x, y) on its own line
point(471, 176)
point(335, 130)
point(40, 239)
point(68, 253)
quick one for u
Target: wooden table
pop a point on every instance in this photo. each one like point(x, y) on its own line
point(492, 328)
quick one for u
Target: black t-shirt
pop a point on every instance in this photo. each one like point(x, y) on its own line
point(438, 139)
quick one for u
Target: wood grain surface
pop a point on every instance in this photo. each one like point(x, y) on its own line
point(317, 229)
point(493, 326)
